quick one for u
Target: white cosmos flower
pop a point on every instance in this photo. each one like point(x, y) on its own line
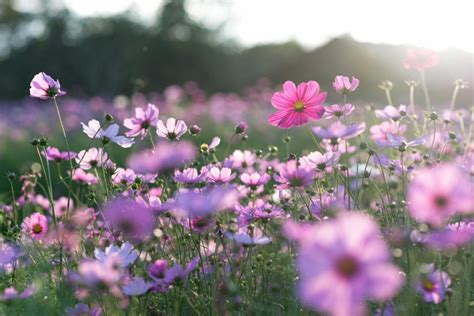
point(93, 130)
point(126, 253)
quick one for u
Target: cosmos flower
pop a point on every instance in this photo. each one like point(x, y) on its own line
point(343, 262)
point(317, 160)
point(190, 176)
point(44, 87)
point(124, 176)
point(82, 309)
point(142, 121)
point(129, 217)
point(379, 133)
point(259, 210)
point(241, 160)
point(391, 113)
point(433, 284)
point(167, 156)
point(61, 206)
point(343, 85)
point(297, 105)
point(136, 286)
point(10, 293)
point(246, 237)
point(94, 157)
point(254, 179)
point(338, 130)
point(174, 129)
point(126, 252)
point(292, 175)
point(53, 154)
point(93, 130)
point(436, 194)
point(9, 254)
point(219, 176)
point(83, 177)
point(420, 59)
point(35, 226)
point(338, 111)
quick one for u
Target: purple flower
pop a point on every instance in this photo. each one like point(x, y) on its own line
point(9, 254)
point(174, 129)
point(81, 176)
point(52, 153)
point(157, 270)
point(166, 157)
point(390, 112)
point(82, 309)
point(44, 87)
point(136, 286)
point(246, 237)
point(316, 160)
point(190, 176)
point(343, 262)
point(219, 176)
point(338, 111)
point(433, 284)
point(379, 133)
point(343, 85)
point(129, 217)
point(292, 175)
point(259, 210)
point(124, 176)
point(241, 127)
point(436, 194)
point(143, 120)
point(10, 293)
point(254, 179)
point(338, 130)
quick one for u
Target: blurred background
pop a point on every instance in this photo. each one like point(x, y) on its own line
point(213, 61)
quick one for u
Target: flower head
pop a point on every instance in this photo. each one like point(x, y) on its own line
point(53, 154)
point(35, 226)
point(338, 111)
point(293, 175)
point(433, 284)
point(391, 113)
point(126, 253)
point(44, 87)
point(142, 121)
point(83, 177)
point(420, 59)
point(343, 85)
point(174, 128)
point(93, 130)
point(220, 176)
point(338, 130)
point(297, 105)
point(94, 157)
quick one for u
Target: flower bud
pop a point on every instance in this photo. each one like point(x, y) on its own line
point(195, 130)
point(241, 128)
point(108, 117)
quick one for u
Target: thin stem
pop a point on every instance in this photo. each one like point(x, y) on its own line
point(318, 147)
point(389, 97)
point(453, 98)
point(425, 90)
point(151, 140)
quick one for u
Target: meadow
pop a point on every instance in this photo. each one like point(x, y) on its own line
point(268, 202)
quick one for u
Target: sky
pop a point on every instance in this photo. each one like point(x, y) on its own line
point(434, 24)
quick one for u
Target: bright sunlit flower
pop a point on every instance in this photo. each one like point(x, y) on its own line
point(44, 87)
point(35, 226)
point(297, 105)
point(142, 121)
point(174, 129)
point(94, 130)
point(420, 59)
point(343, 85)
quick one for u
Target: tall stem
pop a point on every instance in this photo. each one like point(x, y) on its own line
point(453, 98)
point(425, 90)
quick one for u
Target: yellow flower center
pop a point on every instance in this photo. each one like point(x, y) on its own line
point(428, 286)
point(298, 106)
point(37, 228)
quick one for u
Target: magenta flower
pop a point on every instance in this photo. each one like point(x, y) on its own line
point(343, 262)
point(433, 284)
point(420, 59)
point(44, 87)
point(254, 179)
point(391, 113)
point(143, 120)
point(241, 127)
point(338, 111)
point(174, 129)
point(52, 153)
point(83, 177)
point(35, 226)
point(129, 217)
point(436, 194)
point(220, 176)
point(61, 206)
point(293, 175)
point(297, 105)
point(343, 85)
point(338, 130)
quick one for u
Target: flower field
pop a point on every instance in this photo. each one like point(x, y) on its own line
point(267, 202)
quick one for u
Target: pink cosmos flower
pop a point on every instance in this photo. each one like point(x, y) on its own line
point(420, 59)
point(52, 153)
point(338, 130)
point(247, 237)
point(190, 176)
point(343, 262)
point(436, 194)
point(143, 120)
point(44, 87)
point(293, 175)
point(126, 253)
point(61, 206)
point(433, 284)
point(317, 160)
point(124, 176)
point(220, 176)
point(35, 226)
point(391, 113)
point(343, 85)
point(379, 133)
point(94, 157)
point(297, 105)
point(174, 129)
point(254, 179)
point(83, 177)
point(338, 111)
point(10, 293)
point(241, 160)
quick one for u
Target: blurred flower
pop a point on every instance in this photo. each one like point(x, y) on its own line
point(247, 237)
point(338, 111)
point(391, 112)
point(129, 217)
point(254, 179)
point(83, 177)
point(126, 252)
point(136, 286)
point(420, 59)
point(52, 153)
point(297, 105)
point(433, 284)
point(35, 226)
point(61, 206)
point(241, 127)
point(82, 309)
point(190, 176)
point(343, 85)
point(9, 254)
point(343, 262)
point(94, 157)
point(292, 175)
point(436, 194)
point(339, 130)
point(10, 293)
point(124, 176)
point(143, 120)
point(219, 176)
point(93, 130)
point(379, 133)
point(166, 157)
point(317, 160)
point(241, 160)
point(44, 87)
point(174, 129)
